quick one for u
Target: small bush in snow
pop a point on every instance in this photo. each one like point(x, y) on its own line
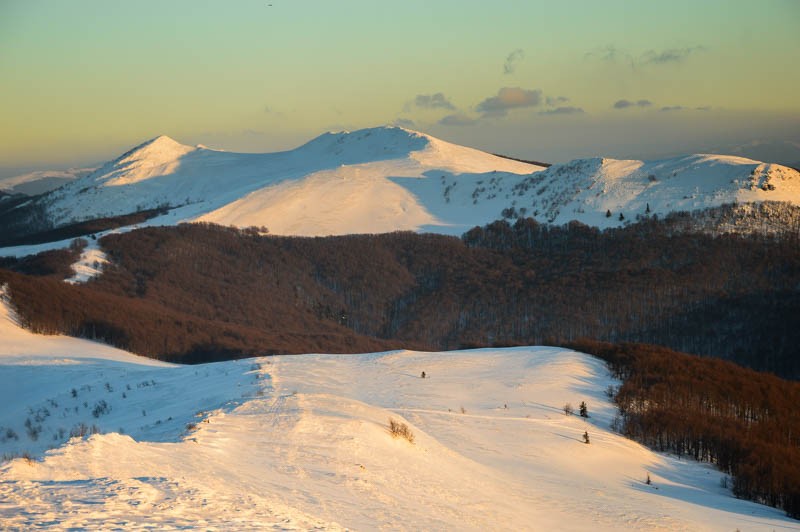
point(568, 411)
point(32, 430)
point(585, 437)
point(400, 430)
point(100, 408)
point(584, 411)
point(82, 429)
point(25, 455)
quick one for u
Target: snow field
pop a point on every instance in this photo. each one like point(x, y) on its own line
point(302, 442)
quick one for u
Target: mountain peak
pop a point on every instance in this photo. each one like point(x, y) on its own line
point(376, 143)
point(157, 150)
point(157, 156)
point(161, 142)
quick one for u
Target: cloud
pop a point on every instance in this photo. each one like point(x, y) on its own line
point(434, 101)
point(404, 122)
point(670, 55)
point(512, 60)
point(563, 111)
point(612, 54)
point(608, 53)
point(672, 108)
point(509, 98)
point(624, 104)
point(555, 100)
point(457, 119)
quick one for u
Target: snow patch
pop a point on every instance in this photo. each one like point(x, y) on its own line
point(89, 265)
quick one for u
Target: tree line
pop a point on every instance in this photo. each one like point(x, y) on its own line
point(712, 410)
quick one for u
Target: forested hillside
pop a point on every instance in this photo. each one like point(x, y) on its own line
point(743, 421)
point(197, 291)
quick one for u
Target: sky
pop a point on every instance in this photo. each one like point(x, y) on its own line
point(82, 81)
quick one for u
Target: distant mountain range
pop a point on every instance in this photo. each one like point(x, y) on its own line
point(41, 181)
point(388, 179)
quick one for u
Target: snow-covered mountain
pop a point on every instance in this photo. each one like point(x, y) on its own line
point(389, 178)
point(589, 190)
point(302, 442)
point(338, 183)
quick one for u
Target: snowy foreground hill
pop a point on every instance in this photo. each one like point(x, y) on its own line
point(388, 178)
point(302, 442)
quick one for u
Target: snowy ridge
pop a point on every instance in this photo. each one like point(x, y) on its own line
point(389, 178)
point(301, 442)
point(357, 172)
point(589, 190)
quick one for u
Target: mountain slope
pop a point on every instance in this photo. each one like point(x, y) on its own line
point(301, 442)
point(19, 346)
point(597, 191)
